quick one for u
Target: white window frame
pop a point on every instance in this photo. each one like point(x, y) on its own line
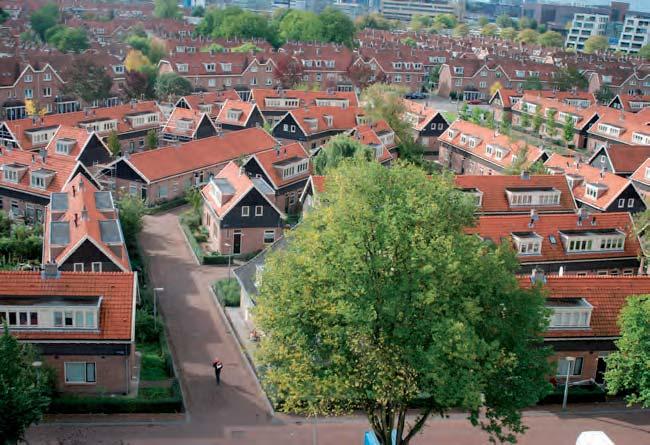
point(259, 210)
point(78, 267)
point(245, 211)
point(96, 264)
point(266, 232)
point(85, 382)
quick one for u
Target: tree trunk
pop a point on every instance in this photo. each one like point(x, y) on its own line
point(386, 418)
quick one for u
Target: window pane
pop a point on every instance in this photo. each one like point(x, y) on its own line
point(75, 372)
point(90, 320)
point(3, 317)
point(12, 318)
point(23, 318)
point(90, 372)
point(33, 318)
point(79, 319)
point(58, 319)
point(68, 318)
point(577, 366)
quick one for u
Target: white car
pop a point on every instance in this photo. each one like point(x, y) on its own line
point(594, 438)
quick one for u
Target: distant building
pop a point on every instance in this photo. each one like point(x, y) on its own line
point(635, 33)
point(584, 26)
point(405, 9)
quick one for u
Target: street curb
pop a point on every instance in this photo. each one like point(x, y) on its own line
point(187, 242)
point(242, 350)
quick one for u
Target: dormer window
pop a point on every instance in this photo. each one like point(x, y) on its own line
point(640, 138)
point(41, 178)
point(520, 73)
point(476, 195)
point(594, 191)
point(185, 124)
point(234, 114)
point(569, 313)
point(142, 119)
point(292, 167)
point(459, 70)
point(182, 67)
point(65, 146)
point(528, 243)
point(593, 240)
point(210, 67)
point(226, 67)
point(532, 197)
point(312, 123)
point(329, 120)
point(647, 172)
point(609, 129)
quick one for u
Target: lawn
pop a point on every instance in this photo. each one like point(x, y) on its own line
point(153, 362)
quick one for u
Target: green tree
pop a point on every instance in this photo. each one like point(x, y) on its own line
point(489, 30)
point(604, 95)
point(379, 301)
point(527, 23)
point(132, 210)
point(151, 141)
point(113, 143)
point(410, 41)
point(88, 81)
point(524, 120)
point(302, 26)
point(528, 36)
point(461, 30)
point(532, 83)
point(463, 112)
point(568, 132)
point(4, 15)
point(374, 21)
point(24, 394)
point(213, 48)
point(195, 199)
point(628, 369)
point(338, 148)
point(336, 26)
point(67, 39)
point(44, 18)
point(551, 125)
point(644, 52)
point(596, 44)
point(482, 21)
point(508, 33)
point(198, 11)
point(551, 39)
point(166, 9)
point(171, 84)
point(505, 21)
point(569, 77)
point(537, 120)
point(419, 21)
point(383, 101)
point(446, 21)
point(489, 120)
point(247, 47)
point(476, 116)
point(504, 124)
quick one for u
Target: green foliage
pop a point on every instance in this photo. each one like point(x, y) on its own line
point(532, 83)
point(489, 30)
point(299, 25)
point(233, 21)
point(44, 18)
point(113, 143)
point(537, 120)
point(213, 48)
point(482, 21)
point(410, 41)
point(88, 80)
point(338, 148)
point(463, 112)
point(374, 21)
point(596, 43)
point(505, 125)
point(247, 47)
point(4, 15)
point(152, 49)
point(525, 120)
point(505, 21)
point(194, 197)
point(551, 125)
point(131, 212)
point(551, 39)
point(23, 394)
point(151, 140)
point(568, 132)
point(19, 244)
point(198, 11)
point(528, 36)
point(336, 26)
point(527, 23)
point(149, 400)
point(446, 21)
point(461, 30)
point(508, 33)
point(384, 101)
point(567, 78)
point(154, 364)
point(628, 369)
point(171, 84)
point(476, 116)
point(489, 120)
point(379, 301)
point(147, 328)
point(67, 39)
point(228, 292)
point(166, 9)
point(644, 52)
point(604, 95)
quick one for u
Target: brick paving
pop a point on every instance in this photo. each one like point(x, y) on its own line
point(236, 412)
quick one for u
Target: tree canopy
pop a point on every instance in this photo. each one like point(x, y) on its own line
point(44, 18)
point(551, 39)
point(628, 368)
point(166, 9)
point(171, 84)
point(374, 21)
point(570, 77)
point(528, 36)
point(24, 395)
point(489, 30)
point(379, 302)
point(88, 80)
point(644, 52)
point(338, 148)
point(595, 44)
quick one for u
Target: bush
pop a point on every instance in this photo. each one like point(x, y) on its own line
point(167, 205)
point(215, 258)
point(154, 363)
point(577, 394)
point(228, 292)
point(192, 241)
point(150, 400)
point(147, 330)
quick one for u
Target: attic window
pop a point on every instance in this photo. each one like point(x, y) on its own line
point(528, 243)
point(182, 67)
point(329, 120)
point(41, 178)
point(65, 145)
point(185, 124)
point(569, 313)
point(593, 191)
point(312, 123)
point(459, 70)
point(226, 67)
point(234, 114)
point(211, 67)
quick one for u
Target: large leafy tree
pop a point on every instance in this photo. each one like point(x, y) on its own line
point(570, 77)
point(628, 369)
point(551, 39)
point(384, 101)
point(604, 95)
point(288, 71)
point(336, 26)
point(88, 80)
point(362, 75)
point(338, 148)
point(302, 26)
point(24, 394)
point(374, 21)
point(166, 9)
point(644, 52)
point(44, 18)
point(595, 44)
point(528, 36)
point(171, 84)
point(67, 39)
point(380, 302)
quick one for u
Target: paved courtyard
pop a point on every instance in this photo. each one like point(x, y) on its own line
point(237, 411)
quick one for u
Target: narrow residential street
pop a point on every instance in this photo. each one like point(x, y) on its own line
point(237, 412)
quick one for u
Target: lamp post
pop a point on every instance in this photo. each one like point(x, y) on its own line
point(570, 361)
point(155, 301)
point(37, 366)
point(229, 257)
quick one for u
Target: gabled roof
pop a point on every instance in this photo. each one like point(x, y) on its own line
point(507, 95)
point(499, 228)
point(486, 136)
point(271, 160)
point(628, 123)
point(90, 215)
point(369, 134)
point(545, 104)
point(495, 200)
point(606, 294)
point(184, 122)
point(234, 183)
point(630, 103)
point(640, 174)
point(305, 98)
point(80, 136)
point(342, 119)
point(624, 158)
point(154, 165)
point(213, 99)
point(241, 111)
point(117, 311)
point(423, 113)
point(613, 184)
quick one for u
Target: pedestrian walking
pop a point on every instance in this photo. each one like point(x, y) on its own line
point(218, 366)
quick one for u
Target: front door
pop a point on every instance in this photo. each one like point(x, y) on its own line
point(601, 367)
point(236, 245)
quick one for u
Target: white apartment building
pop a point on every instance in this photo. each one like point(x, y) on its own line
point(635, 33)
point(584, 26)
point(405, 9)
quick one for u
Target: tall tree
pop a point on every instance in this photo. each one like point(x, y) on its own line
point(88, 81)
point(113, 143)
point(166, 9)
point(357, 316)
point(551, 125)
point(362, 75)
point(338, 148)
point(44, 18)
point(131, 213)
point(532, 83)
point(67, 39)
point(644, 52)
point(604, 95)
point(336, 26)
point(527, 36)
point(628, 369)
point(288, 71)
point(374, 21)
point(551, 39)
point(135, 60)
point(568, 130)
point(538, 119)
point(596, 44)
point(384, 101)
point(461, 30)
point(302, 26)
point(505, 21)
point(171, 84)
point(569, 77)
point(137, 86)
point(508, 33)
point(24, 394)
point(489, 30)
point(151, 139)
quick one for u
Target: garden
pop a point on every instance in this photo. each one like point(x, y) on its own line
point(20, 245)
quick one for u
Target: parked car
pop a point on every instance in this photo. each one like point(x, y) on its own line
point(474, 102)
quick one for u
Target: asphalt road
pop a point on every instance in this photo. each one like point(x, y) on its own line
point(236, 412)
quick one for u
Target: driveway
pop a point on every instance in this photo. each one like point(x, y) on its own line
point(235, 412)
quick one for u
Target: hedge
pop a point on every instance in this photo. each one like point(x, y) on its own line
point(167, 205)
point(114, 405)
point(577, 394)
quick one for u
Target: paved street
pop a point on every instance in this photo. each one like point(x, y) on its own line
point(237, 412)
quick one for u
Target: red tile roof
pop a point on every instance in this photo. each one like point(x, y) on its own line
point(242, 110)
point(169, 161)
point(626, 158)
point(421, 112)
point(213, 99)
point(640, 174)
point(116, 289)
point(305, 98)
point(343, 119)
point(606, 294)
point(627, 102)
point(79, 135)
point(369, 134)
point(497, 228)
point(267, 160)
point(190, 118)
point(507, 96)
point(495, 200)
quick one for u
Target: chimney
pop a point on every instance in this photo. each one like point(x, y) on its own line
point(582, 215)
point(537, 276)
point(50, 271)
point(525, 175)
point(76, 220)
point(74, 191)
point(533, 218)
point(43, 153)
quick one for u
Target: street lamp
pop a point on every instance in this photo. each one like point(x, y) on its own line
point(570, 361)
point(37, 366)
point(229, 258)
point(155, 301)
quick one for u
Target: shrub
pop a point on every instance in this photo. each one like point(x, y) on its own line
point(147, 330)
point(215, 258)
point(228, 292)
point(577, 394)
point(70, 404)
point(167, 205)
